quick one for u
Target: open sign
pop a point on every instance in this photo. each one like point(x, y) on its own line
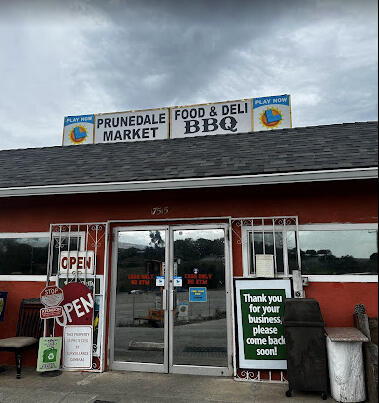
point(77, 307)
point(77, 261)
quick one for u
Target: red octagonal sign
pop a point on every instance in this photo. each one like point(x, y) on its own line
point(51, 295)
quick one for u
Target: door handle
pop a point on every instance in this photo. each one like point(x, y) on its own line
point(171, 300)
point(164, 300)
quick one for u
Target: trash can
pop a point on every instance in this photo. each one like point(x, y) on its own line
point(306, 348)
point(345, 359)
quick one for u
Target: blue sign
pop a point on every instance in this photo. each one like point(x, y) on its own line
point(159, 281)
point(70, 120)
point(198, 294)
point(276, 100)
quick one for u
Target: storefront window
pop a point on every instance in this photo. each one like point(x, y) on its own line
point(339, 252)
point(28, 255)
point(23, 256)
point(334, 251)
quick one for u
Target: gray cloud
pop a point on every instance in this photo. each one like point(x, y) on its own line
point(76, 57)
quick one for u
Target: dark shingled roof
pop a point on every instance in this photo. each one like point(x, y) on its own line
point(349, 145)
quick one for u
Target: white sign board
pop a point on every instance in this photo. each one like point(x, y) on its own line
point(77, 347)
point(210, 119)
point(123, 127)
point(264, 266)
point(272, 113)
point(78, 130)
point(77, 261)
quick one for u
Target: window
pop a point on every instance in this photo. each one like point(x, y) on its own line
point(325, 249)
point(23, 255)
point(282, 246)
point(267, 247)
point(339, 252)
point(27, 253)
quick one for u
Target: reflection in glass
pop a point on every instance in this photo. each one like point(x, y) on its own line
point(293, 263)
point(339, 252)
point(139, 327)
point(23, 255)
point(200, 330)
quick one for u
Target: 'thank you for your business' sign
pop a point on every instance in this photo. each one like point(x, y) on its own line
point(246, 115)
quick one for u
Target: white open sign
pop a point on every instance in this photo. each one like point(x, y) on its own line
point(77, 261)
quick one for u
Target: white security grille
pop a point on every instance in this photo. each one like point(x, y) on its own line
point(85, 238)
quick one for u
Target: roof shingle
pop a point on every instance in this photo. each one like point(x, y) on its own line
point(349, 145)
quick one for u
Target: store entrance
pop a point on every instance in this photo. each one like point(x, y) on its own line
point(171, 305)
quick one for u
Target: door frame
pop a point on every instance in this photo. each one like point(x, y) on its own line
point(168, 366)
point(131, 365)
point(199, 369)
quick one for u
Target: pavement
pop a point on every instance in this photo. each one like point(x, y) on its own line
point(116, 386)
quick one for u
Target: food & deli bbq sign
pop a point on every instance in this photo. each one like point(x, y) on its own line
point(246, 115)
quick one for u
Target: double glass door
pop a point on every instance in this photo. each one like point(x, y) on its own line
point(171, 300)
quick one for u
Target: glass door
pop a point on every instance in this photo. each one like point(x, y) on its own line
point(200, 329)
point(171, 300)
point(140, 302)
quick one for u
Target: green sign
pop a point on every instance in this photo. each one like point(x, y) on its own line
point(49, 354)
point(263, 332)
point(260, 307)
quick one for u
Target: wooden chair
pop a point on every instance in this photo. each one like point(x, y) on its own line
point(29, 330)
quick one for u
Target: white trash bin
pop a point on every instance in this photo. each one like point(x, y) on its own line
point(345, 361)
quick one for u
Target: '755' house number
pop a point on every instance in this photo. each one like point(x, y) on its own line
point(159, 211)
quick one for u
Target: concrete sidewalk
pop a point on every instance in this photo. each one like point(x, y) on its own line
point(72, 387)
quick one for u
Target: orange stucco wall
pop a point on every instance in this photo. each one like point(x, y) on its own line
point(334, 202)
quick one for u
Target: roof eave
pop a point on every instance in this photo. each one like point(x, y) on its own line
point(194, 183)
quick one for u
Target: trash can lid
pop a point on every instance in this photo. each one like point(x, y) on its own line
point(305, 310)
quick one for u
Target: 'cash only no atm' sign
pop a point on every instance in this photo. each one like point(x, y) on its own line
point(260, 307)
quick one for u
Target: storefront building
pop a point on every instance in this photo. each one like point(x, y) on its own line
point(173, 223)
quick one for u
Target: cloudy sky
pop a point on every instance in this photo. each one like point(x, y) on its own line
point(60, 58)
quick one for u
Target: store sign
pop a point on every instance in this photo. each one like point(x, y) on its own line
point(51, 295)
point(198, 294)
point(210, 119)
point(78, 305)
point(51, 312)
point(49, 354)
point(132, 126)
point(272, 113)
point(77, 261)
point(77, 347)
point(241, 116)
point(78, 130)
point(260, 307)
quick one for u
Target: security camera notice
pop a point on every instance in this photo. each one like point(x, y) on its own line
point(77, 347)
point(260, 328)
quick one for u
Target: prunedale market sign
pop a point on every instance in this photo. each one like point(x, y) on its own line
point(246, 115)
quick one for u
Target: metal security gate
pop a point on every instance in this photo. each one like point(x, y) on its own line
point(84, 240)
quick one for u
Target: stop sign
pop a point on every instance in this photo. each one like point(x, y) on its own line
point(51, 295)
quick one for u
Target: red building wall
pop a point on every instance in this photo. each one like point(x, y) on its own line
point(322, 202)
